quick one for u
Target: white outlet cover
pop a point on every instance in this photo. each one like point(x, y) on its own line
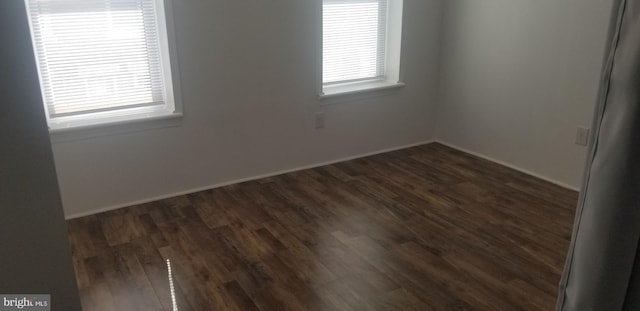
point(582, 136)
point(319, 120)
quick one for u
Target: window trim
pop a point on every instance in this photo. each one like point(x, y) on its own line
point(111, 121)
point(359, 87)
point(393, 76)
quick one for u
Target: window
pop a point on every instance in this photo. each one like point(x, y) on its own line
point(360, 44)
point(101, 61)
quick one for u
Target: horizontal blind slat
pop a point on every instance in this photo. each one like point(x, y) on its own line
point(97, 55)
point(354, 39)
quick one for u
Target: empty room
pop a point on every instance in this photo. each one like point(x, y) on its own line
point(319, 155)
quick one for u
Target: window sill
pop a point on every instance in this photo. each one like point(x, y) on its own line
point(341, 90)
point(64, 134)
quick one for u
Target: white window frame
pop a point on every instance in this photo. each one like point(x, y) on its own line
point(93, 121)
point(392, 76)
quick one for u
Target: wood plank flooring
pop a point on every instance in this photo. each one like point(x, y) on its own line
point(425, 228)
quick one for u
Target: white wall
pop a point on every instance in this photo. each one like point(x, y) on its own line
point(249, 84)
point(518, 77)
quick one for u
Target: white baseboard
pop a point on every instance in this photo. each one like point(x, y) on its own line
point(226, 183)
point(236, 181)
point(511, 166)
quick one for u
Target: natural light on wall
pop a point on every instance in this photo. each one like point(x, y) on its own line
point(360, 43)
point(101, 61)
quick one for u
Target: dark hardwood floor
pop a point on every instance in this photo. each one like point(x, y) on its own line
point(425, 228)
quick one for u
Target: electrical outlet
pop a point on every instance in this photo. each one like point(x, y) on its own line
point(319, 120)
point(582, 136)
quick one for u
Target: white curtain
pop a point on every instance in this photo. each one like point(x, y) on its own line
point(602, 272)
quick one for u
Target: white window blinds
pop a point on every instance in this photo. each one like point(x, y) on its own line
point(101, 57)
point(353, 40)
